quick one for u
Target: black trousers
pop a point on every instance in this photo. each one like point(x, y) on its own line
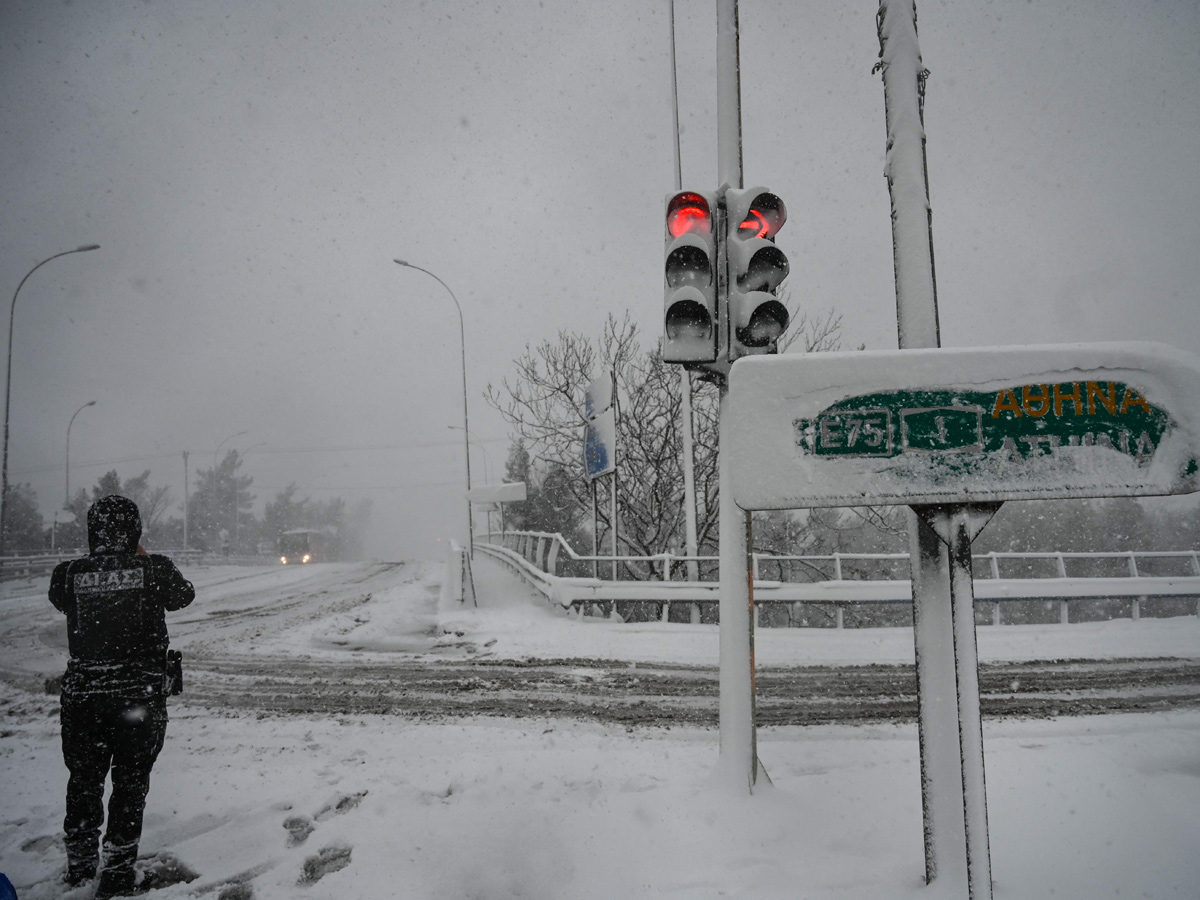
point(102, 733)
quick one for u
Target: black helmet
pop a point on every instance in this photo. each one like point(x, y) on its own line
point(114, 525)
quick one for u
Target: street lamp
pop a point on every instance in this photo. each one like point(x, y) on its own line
point(466, 424)
point(217, 452)
point(8, 386)
point(67, 467)
point(67, 492)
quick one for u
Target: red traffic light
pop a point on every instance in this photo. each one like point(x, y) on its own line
point(689, 213)
point(764, 218)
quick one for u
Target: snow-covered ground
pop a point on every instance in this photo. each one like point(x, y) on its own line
point(1098, 807)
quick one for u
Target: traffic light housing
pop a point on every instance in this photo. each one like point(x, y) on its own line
point(757, 318)
point(690, 278)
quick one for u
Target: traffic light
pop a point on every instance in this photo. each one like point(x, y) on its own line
point(756, 267)
point(690, 279)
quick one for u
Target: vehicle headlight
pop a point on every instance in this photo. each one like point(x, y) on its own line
point(306, 558)
point(283, 559)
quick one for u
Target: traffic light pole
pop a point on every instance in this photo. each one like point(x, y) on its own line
point(685, 377)
point(739, 751)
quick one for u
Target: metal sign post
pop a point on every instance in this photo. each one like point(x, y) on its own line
point(600, 452)
point(956, 526)
point(917, 326)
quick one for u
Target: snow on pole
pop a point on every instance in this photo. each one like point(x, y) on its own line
point(970, 723)
point(736, 708)
point(937, 709)
point(613, 506)
point(685, 377)
point(907, 174)
point(942, 776)
point(729, 97)
point(739, 758)
point(689, 476)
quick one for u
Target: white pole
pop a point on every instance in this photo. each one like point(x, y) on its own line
point(970, 724)
point(674, 96)
point(937, 709)
point(949, 768)
point(739, 756)
point(613, 507)
point(689, 474)
point(729, 97)
point(616, 468)
point(906, 173)
point(688, 461)
point(595, 532)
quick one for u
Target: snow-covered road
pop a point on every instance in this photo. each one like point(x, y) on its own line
point(335, 803)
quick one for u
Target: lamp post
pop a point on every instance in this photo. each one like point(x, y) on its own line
point(466, 424)
point(217, 452)
point(8, 387)
point(67, 468)
point(67, 491)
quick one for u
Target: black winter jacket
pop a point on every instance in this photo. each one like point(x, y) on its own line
point(115, 600)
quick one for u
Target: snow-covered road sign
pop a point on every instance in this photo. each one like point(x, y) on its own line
point(507, 492)
point(965, 426)
point(600, 444)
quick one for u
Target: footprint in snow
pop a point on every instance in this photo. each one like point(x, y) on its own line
point(326, 861)
point(300, 827)
point(41, 844)
point(164, 869)
point(341, 806)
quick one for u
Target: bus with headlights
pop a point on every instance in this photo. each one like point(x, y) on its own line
point(301, 546)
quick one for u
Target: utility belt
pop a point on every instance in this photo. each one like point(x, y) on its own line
point(125, 677)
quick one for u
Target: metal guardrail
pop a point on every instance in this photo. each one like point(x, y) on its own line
point(32, 565)
point(538, 556)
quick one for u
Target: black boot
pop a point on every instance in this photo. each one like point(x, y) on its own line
point(79, 873)
point(123, 884)
point(116, 883)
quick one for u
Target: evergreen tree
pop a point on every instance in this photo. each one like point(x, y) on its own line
point(222, 502)
point(24, 531)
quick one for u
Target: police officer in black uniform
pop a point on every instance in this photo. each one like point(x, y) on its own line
point(114, 709)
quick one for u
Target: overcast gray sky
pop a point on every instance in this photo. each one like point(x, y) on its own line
point(251, 169)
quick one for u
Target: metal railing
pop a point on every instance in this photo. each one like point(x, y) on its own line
point(32, 565)
point(549, 549)
point(549, 563)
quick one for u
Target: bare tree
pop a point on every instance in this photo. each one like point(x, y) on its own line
point(819, 333)
point(543, 402)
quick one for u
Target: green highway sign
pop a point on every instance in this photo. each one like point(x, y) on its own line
point(940, 426)
point(1029, 420)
